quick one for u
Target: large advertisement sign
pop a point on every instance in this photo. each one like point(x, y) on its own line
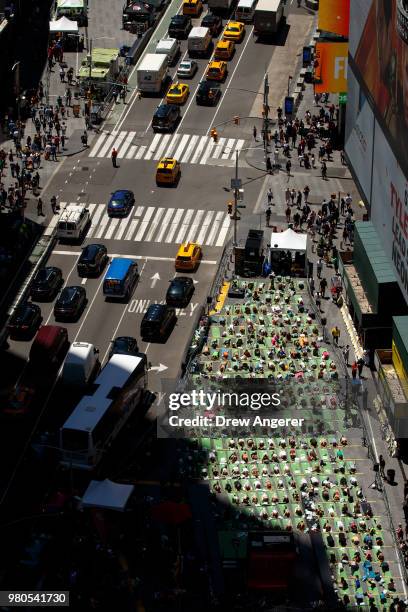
point(330, 69)
point(381, 61)
point(389, 207)
point(334, 16)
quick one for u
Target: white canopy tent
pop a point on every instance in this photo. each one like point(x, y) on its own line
point(288, 252)
point(63, 25)
point(289, 240)
point(107, 495)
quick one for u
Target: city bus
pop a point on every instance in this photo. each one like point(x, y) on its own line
point(118, 391)
point(120, 278)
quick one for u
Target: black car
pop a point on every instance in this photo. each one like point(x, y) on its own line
point(180, 26)
point(208, 93)
point(46, 283)
point(25, 321)
point(180, 291)
point(92, 260)
point(124, 345)
point(70, 304)
point(213, 23)
point(166, 118)
point(158, 321)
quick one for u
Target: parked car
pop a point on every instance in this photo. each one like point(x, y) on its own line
point(120, 203)
point(92, 260)
point(25, 321)
point(180, 290)
point(70, 304)
point(157, 322)
point(46, 284)
point(124, 345)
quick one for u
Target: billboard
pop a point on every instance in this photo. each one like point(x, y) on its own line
point(334, 16)
point(330, 67)
point(381, 63)
point(389, 206)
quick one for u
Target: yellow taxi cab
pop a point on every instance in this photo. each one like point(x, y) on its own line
point(216, 71)
point(234, 30)
point(224, 50)
point(188, 256)
point(192, 7)
point(178, 93)
point(168, 171)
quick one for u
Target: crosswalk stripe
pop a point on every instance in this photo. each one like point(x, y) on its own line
point(181, 146)
point(219, 148)
point(160, 149)
point(152, 146)
point(95, 219)
point(122, 227)
point(239, 146)
point(204, 227)
point(174, 225)
point(54, 220)
point(107, 145)
point(126, 144)
point(112, 226)
point(199, 149)
point(207, 153)
point(189, 149)
point(153, 224)
point(164, 225)
point(91, 208)
point(223, 231)
point(144, 224)
point(131, 153)
point(133, 224)
point(140, 152)
point(214, 228)
point(172, 145)
point(228, 149)
point(184, 227)
point(102, 225)
point(195, 225)
point(97, 144)
point(118, 141)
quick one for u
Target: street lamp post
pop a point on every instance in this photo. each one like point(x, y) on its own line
point(16, 68)
point(289, 81)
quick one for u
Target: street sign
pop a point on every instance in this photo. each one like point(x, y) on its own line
point(240, 195)
point(241, 206)
point(343, 98)
point(236, 183)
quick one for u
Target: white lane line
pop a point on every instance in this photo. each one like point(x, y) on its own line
point(147, 257)
point(131, 153)
point(153, 225)
point(91, 208)
point(174, 225)
point(219, 148)
point(184, 227)
point(128, 140)
point(205, 226)
point(98, 144)
point(95, 219)
point(172, 145)
point(194, 227)
point(207, 152)
point(102, 225)
point(181, 146)
point(223, 231)
point(153, 146)
point(144, 224)
point(238, 148)
point(199, 149)
point(89, 307)
point(214, 229)
point(113, 225)
point(189, 149)
point(118, 141)
point(107, 145)
point(249, 36)
point(165, 224)
point(140, 152)
point(228, 148)
point(160, 152)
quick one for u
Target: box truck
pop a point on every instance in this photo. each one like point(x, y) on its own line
point(268, 17)
point(152, 72)
point(199, 42)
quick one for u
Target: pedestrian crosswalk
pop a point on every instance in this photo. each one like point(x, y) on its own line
point(156, 224)
point(186, 148)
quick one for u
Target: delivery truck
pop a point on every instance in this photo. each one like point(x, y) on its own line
point(199, 42)
point(152, 73)
point(268, 17)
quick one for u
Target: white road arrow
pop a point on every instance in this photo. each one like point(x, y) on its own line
point(160, 368)
point(154, 279)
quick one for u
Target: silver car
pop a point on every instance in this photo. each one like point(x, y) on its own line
point(187, 69)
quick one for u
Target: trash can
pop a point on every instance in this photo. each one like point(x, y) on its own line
point(391, 475)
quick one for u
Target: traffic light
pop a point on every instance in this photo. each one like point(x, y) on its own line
point(230, 207)
point(236, 119)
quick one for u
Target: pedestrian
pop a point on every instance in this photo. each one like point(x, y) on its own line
point(399, 532)
point(324, 170)
point(319, 267)
point(54, 204)
point(68, 97)
point(312, 286)
point(299, 199)
point(335, 332)
point(348, 200)
point(342, 206)
point(270, 196)
point(40, 211)
point(381, 462)
point(63, 141)
point(354, 370)
point(268, 165)
point(306, 192)
point(318, 300)
point(360, 366)
point(346, 354)
point(288, 167)
point(114, 156)
point(268, 216)
point(288, 213)
point(255, 133)
point(323, 285)
point(62, 74)
point(287, 196)
point(84, 138)
point(313, 160)
point(342, 158)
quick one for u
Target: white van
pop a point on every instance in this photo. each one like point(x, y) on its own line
point(81, 365)
point(245, 10)
point(73, 222)
point(169, 47)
